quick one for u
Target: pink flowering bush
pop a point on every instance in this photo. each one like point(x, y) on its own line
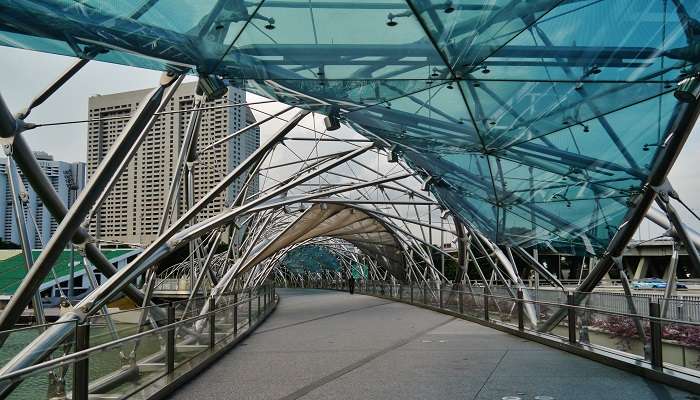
point(620, 327)
point(624, 327)
point(687, 335)
point(625, 330)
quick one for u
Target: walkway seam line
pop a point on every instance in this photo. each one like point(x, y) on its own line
point(320, 318)
point(357, 364)
point(488, 378)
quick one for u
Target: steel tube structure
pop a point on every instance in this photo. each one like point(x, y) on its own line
point(243, 130)
point(185, 150)
point(486, 130)
point(16, 192)
point(680, 127)
point(681, 231)
point(132, 135)
point(25, 159)
point(53, 87)
point(157, 249)
point(538, 267)
point(44, 189)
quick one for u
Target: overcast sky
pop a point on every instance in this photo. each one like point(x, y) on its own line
point(26, 73)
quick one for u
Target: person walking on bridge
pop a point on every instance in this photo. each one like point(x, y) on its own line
point(351, 284)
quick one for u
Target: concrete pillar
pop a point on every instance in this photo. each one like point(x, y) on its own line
point(668, 271)
point(641, 271)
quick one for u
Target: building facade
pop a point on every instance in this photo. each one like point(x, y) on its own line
point(68, 179)
point(133, 210)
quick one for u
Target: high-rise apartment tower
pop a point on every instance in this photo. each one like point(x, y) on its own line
point(132, 211)
point(68, 179)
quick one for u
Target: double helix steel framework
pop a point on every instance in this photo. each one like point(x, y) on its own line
point(500, 127)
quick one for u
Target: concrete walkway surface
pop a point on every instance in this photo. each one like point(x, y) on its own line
point(329, 345)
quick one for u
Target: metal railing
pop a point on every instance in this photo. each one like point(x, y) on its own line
point(667, 347)
point(684, 308)
point(149, 356)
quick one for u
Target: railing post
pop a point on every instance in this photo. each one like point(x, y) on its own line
point(521, 320)
point(212, 322)
point(257, 292)
point(657, 359)
point(400, 292)
point(411, 285)
point(250, 307)
point(235, 314)
point(440, 290)
point(571, 312)
point(81, 372)
point(461, 300)
point(425, 296)
point(486, 304)
point(170, 341)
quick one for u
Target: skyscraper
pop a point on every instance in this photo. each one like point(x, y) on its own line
point(68, 179)
point(133, 210)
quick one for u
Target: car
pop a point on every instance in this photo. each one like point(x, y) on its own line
point(654, 283)
point(649, 283)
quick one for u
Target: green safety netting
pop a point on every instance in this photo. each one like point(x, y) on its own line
point(538, 120)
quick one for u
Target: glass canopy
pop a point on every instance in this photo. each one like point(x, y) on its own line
point(310, 258)
point(538, 120)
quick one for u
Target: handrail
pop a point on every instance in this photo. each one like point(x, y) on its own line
point(585, 308)
point(174, 303)
point(30, 327)
point(564, 305)
point(20, 374)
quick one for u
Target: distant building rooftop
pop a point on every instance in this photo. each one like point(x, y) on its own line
point(42, 155)
point(12, 269)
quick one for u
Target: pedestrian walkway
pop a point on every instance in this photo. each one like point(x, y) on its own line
point(330, 345)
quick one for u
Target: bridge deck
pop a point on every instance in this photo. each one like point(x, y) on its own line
point(330, 345)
